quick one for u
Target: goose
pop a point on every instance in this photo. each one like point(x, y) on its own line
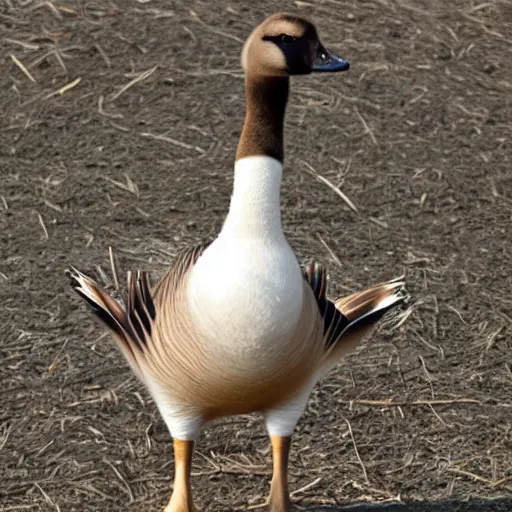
point(236, 326)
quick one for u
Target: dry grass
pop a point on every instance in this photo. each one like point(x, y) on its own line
point(119, 120)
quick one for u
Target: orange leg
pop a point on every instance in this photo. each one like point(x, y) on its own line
point(181, 498)
point(279, 500)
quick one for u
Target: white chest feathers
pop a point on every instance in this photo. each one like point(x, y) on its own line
point(246, 290)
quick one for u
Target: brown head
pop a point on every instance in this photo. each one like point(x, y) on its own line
point(285, 45)
point(282, 46)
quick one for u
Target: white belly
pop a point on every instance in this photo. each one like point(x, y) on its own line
point(246, 296)
point(246, 290)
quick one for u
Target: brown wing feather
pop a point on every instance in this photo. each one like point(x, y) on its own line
point(344, 317)
point(335, 322)
point(132, 321)
point(184, 261)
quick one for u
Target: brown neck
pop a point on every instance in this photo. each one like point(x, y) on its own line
point(262, 134)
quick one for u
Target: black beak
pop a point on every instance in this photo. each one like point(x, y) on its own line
point(328, 62)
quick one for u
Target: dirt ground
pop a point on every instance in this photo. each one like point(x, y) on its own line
point(118, 127)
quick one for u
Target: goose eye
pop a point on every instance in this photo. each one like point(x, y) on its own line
point(285, 38)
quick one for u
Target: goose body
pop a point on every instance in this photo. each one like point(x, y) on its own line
point(236, 326)
point(249, 275)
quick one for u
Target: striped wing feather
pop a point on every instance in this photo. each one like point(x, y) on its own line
point(132, 320)
point(358, 311)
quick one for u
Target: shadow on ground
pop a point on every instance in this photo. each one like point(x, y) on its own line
point(496, 505)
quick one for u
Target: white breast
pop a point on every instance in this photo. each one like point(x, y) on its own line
point(245, 292)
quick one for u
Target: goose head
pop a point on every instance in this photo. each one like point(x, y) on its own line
point(286, 45)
